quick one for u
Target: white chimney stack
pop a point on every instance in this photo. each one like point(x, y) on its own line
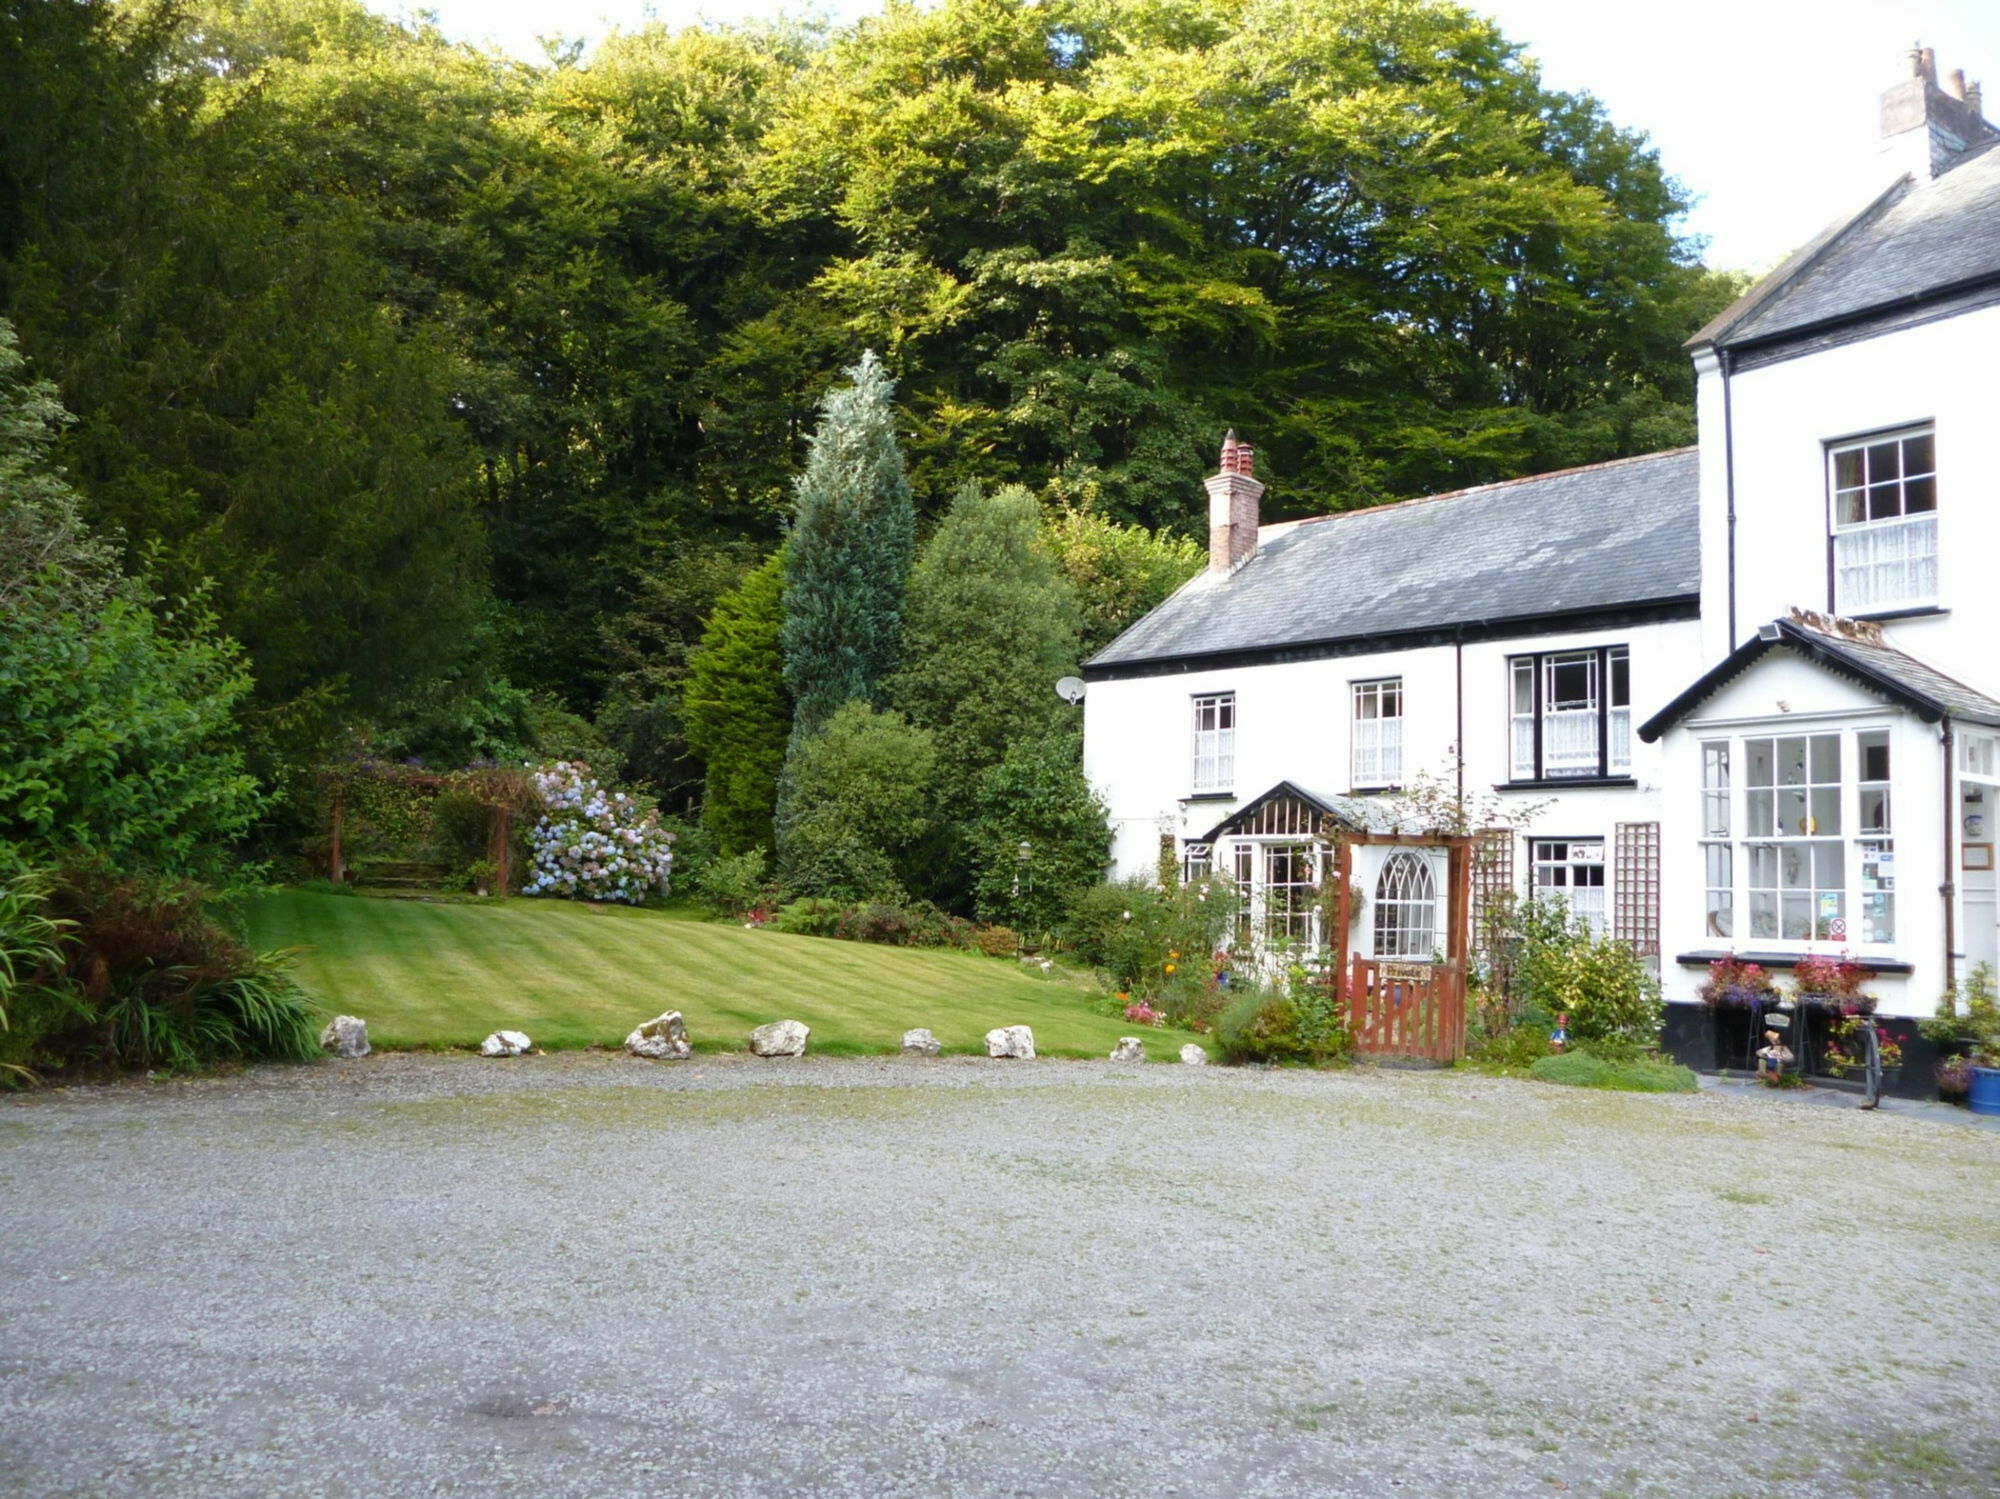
point(1233, 494)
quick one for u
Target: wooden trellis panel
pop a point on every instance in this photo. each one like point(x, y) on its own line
point(1635, 876)
point(1492, 881)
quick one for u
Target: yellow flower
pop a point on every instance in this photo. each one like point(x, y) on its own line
point(1170, 967)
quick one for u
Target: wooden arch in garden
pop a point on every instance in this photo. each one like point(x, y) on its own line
point(1401, 1006)
point(508, 794)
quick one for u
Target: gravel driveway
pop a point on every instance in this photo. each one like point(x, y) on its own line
point(583, 1275)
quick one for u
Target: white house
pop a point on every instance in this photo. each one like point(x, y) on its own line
point(1749, 684)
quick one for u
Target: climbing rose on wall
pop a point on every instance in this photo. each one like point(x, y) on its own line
point(593, 844)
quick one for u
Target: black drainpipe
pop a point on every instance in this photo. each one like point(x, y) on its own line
point(1729, 485)
point(1949, 889)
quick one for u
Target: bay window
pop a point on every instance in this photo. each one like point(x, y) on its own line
point(1215, 742)
point(1885, 542)
point(1808, 853)
point(1571, 713)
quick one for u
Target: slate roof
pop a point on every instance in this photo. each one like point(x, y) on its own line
point(1861, 657)
point(1613, 535)
point(1914, 242)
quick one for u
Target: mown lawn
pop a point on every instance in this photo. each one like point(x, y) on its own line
point(438, 974)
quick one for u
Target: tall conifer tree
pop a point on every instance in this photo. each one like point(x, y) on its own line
point(737, 711)
point(849, 554)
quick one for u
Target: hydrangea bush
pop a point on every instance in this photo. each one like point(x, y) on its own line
point(593, 844)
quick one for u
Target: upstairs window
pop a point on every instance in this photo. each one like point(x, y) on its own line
point(1378, 733)
point(1571, 713)
point(1885, 543)
point(1215, 742)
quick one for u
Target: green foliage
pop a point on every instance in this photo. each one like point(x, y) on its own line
point(1119, 572)
point(1563, 968)
point(848, 556)
point(121, 734)
point(1579, 1069)
point(1267, 1026)
point(919, 924)
point(152, 978)
point(31, 949)
point(737, 712)
point(989, 625)
point(45, 546)
point(1506, 1041)
point(1971, 1013)
point(863, 790)
point(1037, 796)
point(1156, 942)
point(732, 884)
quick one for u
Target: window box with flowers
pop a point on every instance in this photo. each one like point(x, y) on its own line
point(1733, 982)
point(1835, 985)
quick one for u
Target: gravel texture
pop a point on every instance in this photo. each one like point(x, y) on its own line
point(590, 1275)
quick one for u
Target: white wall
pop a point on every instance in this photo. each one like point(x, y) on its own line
point(1783, 415)
point(1294, 722)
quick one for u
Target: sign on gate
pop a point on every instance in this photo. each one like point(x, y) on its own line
point(1413, 972)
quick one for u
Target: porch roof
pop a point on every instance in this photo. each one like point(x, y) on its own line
point(1857, 652)
point(1358, 814)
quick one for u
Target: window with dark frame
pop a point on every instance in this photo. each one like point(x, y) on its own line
point(1884, 522)
point(1570, 713)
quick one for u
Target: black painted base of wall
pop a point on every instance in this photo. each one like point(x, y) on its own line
point(1709, 1040)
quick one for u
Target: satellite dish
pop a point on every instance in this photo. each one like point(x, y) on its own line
point(1070, 689)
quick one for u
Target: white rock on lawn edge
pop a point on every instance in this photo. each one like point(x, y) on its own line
point(1129, 1049)
point(781, 1038)
point(664, 1038)
point(921, 1043)
point(1193, 1055)
point(1011, 1041)
point(505, 1044)
point(346, 1036)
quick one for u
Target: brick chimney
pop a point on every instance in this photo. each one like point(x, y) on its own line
point(1926, 128)
point(1233, 494)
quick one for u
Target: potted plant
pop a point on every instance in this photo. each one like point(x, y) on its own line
point(1972, 1020)
point(1954, 1078)
point(1847, 1051)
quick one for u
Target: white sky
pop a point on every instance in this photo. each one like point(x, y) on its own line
point(1764, 109)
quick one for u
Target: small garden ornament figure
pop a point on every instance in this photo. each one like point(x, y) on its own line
point(1559, 1037)
point(1773, 1057)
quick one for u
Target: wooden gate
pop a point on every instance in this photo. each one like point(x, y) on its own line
point(1407, 1009)
point(1403, 1008)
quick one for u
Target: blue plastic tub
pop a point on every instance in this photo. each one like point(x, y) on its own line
point(1983, 1097)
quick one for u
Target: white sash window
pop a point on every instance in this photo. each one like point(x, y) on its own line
point(1215, 742)
point(1378, 733)
point(1885, 541)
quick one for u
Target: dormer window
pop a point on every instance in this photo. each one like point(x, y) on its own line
point(1885, 543)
